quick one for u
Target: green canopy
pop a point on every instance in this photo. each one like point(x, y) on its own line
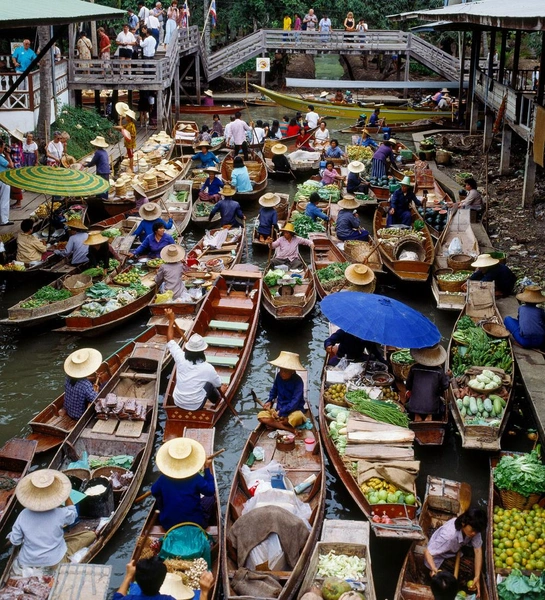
point(55, 181)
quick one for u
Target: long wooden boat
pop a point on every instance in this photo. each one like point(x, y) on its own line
point(324, 253)
point(480, 306)
point(407, 270)
point(150, 538)
point(259, 102)
point(458, 226)
point(342, 537)
point(230, 253)
point(295, 306)
point(201, 220)
point(227, 320)
point(440, 205)
point(298, 465)
point(177, 202)
point(289, 141)
point(209, 110)
point(126, 224)
point(443, 502)
point(282, 210)
point(399, 128)
point(16, 456)
point(181, 165)
point(50, 429)
point(258, 175)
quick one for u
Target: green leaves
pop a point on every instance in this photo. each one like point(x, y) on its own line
point(522, 473)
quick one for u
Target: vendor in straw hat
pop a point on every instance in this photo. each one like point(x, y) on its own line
point(100, 250)
point(366, 140)
point(348, 226)
point(280, 162)
point(286, 248)
point(179, 488)
point(354, 181)
point(229, 209)
point(127, 125)
point(399, 212)
point(170, 273)
point(100, 160)
point(207, 158)
point(38, 530)
point(196, 380)
point(81, 383)
point(268, 217)
point(312, 210)
point(528, 329)
point(151, 213)
point(76, 249)
point(287, 393)
point(360, 278)
point(426, 384)
point(211, 189)
point(490, 269)
point(208, 99)
point(384, 153)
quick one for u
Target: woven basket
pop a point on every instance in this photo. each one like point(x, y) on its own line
point(495, 330)
point(401, 372)
point(357, 251)
point(442, 157)
point(334, 284)
point(83, 474)
point(511, 499)
point(443, 272)
point(84, 281)
point(460, 262)
point(411, 246)
point(105, 472)
point(451, 286)
point(289, 301)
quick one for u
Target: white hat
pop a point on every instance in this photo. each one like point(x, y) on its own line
point(323, 94)
point(121, 108)
point(209, 93)
point(348, 202)
point(150, 211)
point(82, 363)
point(356, 166)
point(484, 260)
point(269, 200)
point(430, 357)
point(43, 490)
point(196, 343)
point(173, 586)
point(444, 91)
point(407, 181)
point(180, 458)
point(279, 148)
point(172, 253)
point(214, 170)
point(359, 274)
point(130, 113)
point(289, 361)
point(100, 142)
point(17, 134)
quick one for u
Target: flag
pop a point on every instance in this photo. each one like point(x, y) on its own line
point(185, 15)
point(212, 12)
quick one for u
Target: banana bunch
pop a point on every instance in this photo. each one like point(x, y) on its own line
point(377, 484)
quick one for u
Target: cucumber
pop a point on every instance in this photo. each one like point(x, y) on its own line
point(486, 414)
point(460, 404)
point(463, 411)
point(487, 404)
point(466, 401)
point(498, 408)
point(473, 406)
point(479, 405)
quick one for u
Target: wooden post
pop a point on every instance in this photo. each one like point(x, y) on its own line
point(461, 106)
point(503, 50)
point(407, 73)
point(487, 133)
point(516, 57)
point(505, 156)
point(97, 101)
point(71, 45)
point(263, 73)
point(471, 96)
point(491, 53)
point(198, 78)
point(177, 91)
point(160, 109)
point(529, 175)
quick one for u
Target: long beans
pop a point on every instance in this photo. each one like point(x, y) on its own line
point(377, 409)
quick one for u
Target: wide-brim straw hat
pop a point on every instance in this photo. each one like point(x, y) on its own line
point(180, 458)
point(209, 93)
point(99, 142)
point(82, 363)
point(430, 357)
point(43, 490)
point(214, 170)
point(484, 260)
point(531, 294)
point(444, 91)
point(407, 181)
point(67, 161)
point(173, 586)
point(17, 134)
point(196, 343)
point(359, 274)
point(121, 108)
point(269, 200)
point(288, 360)
point(150, 211)
point(76, 224)
point(228, 190)
point(288, 227)
point(95, 238)
point(172, 253)
point(323, 94)
point(356, 166)
point(203, 145)
point(279, 149)
point(348, 202)
point(131, 114)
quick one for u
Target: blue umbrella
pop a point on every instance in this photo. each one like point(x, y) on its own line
point(380, 319)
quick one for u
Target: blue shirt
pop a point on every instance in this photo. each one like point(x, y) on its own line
point(289, 394)
point(353, 182)
point(152, 247)
point(77, 396)
point(214, 186)
point(346, 223)
point(400, 202)
point(146, 228)
point(268, 219)
point(119, 596)
point(374, 119)
point(502, 276)
point(76, 248)
point(334, 152)
point(179, 500)
point(4, 164)
point(229, 210)
point(240, 179)
point(531, 320)
point(314, 212)
point(207, 160)
point(23, 57)
point(367, 142)
point(101, 161)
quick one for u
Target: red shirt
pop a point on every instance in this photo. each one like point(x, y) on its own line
point(104, 42)
point(293, 130)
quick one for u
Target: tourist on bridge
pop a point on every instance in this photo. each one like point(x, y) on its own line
point(208, 99)
point(132, 19)
point(528, 330)
point(366, 140)
point(159, 12)
point(229, 209)
point(268, 217)
point(150, 212)
point(490, 269)
point(84, 46)
point(286, 248)
point(349, 22)
point(379, 164)
point(154, 27)
point(399, 212)
point(334, 150)
point(375, 120)
point(207, 158)
point(312, 117)
point(211, 189)
point(126, 41)
point(279, 160)
point(148, 43)
point(354, 182)
point(348, 226)
point(238, 135)
point(30, 151)
point(22, 57)
point(310, 22)
point(325, 29)
point(143, 12)
point(297, 27)
point(312, 210)
point(173, 18)
point(240, 177)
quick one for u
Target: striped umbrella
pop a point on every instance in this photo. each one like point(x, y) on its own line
point(54, 181)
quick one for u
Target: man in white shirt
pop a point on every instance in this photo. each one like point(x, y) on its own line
point(148, 45)
point(143, 12)
point(258, 132)
point(311, 20)
point(227, 132)
point(238, 135)
point(153, 25)
point(126, 42)
point(312, 117)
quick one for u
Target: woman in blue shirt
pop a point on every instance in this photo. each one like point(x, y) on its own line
point(312, 210)
point(207, 158)
point(333, 150)
point(154, 243)
point(211, 189)
point(268, 217)
point(151, 214)
point(529, 329)
point(229, 209)
point(366, 140)
point(240, 178)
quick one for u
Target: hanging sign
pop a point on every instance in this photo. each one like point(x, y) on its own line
point(262, 64)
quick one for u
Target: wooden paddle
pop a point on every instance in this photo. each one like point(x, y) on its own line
point(465, 503)
point(373, 251)
point(165, 207)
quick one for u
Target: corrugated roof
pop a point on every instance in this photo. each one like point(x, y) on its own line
point(30, 13)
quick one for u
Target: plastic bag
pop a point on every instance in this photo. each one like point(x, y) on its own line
point(353, 371)
point(188, 542)
point(253, 478)
point(408, 255)
point(111, 305)
point(82, 463)
point(265, 495)
point(166, 297)
point(342, 364)
point(455, 247)
point(268, 551)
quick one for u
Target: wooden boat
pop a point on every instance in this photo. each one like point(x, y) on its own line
point(258, 175)
point(117, 206)
point(41, 273)
point(181, 165)
point(16, 456)
point(297, 304)
point(324, 253)
point(201, 220)
point(480, 306)
point(196, 109)
point(149, 540)
point(127, 224)
point(259, 102)
point(458, 226)
point(441, 204)
point(77, 324)
point(185, 136)
point(443, 502)
point(282, 210)
point(343, 537)
point(289, 141)
point(407, 270)
point(298, 465)
point(227, 320)
point(398, 128)
point(230, 252)
point(50, 429)
point(177, 202)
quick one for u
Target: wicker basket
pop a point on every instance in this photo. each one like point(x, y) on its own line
point(335, 284)
point(451, 286)
point(460, 262)
point(358, 251)
point(443, 157)
point(76, 284)
point(443, 272)
point(400, 371)
point(411, 246)
point(495, 330)
point(106, 471)
point(511, 499)
point(83, 474)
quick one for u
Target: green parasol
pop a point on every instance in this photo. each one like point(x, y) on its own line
point(54, 181)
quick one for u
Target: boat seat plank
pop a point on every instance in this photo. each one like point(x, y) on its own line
point(224, 361)
point(243, 304)
point(131, 429)
point(142, 376)
point(225, 379)
point(62, 422)
point(229, 342)
point(105, 426)
point(228, 325)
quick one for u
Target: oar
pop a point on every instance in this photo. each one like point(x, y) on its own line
point(465, 502)
point(145, 533)
point(373, 251)
point(165, 207)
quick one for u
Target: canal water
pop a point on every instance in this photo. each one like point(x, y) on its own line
point(31, 376)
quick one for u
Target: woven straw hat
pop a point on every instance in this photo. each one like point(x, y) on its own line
point(279, 149)
point(17, 134)
point(288, 360)
point(99, 142)
point(82, 363)
point(214, 170)
point(359, 274)
point(323, 94)
point(173, 586)
point(130, 113)
point(150, 211)
point(172, 253)
point(228, 190)
point(356, 166)
point(95, 238)
point(196, 343)
point(444, 91)
point(392, 141)
point(180, 458)
point(348, 202)
point(121, 108)
point(67, 161)
point(484, 260)
point(430, 357)
point(269, 200)
point(406, 181)
point(209, 93)
point(288, 227)
point(43, 490)
point(203, 145)
point(531, 294)
point(76, 224)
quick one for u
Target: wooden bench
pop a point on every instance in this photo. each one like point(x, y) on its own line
point(228, 325)
point(222, 361)
point(225, 342)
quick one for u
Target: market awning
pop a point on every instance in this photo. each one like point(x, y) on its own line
point(56, 181)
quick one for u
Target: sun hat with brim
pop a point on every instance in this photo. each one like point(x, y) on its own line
point(68, 161)
point(173, 586)
point(531, 294)
point(269, 200)
point(430, 357)
point(150, 211)
point(484, 260)
point(180, 458)
point(131, 114)
point(348, 202)
point(289, 228)
point(279, 149)
point(196, 343)
point(121, 108)
point(43, 490)
point(444, 91)
point(17, 134)
point(288, 360)
point(99, 142)
point(228, 190)
point(95, 238)
point(359, 274)
point(209, 93)
point(214, 170)
point(76, 224)
point(407, 181)
point(172, 253)
point(82, 363)
point(356, 166)
point(203, 145)
point(323, 94)
point(392, 141)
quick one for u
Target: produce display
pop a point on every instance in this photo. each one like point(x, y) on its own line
point(521, 473)
point(362, 153)
point(341, 565)
point(44, 210)
point(520, 587)
point(203, 209)
point(380, 491)
point(402, 357)
point(304, 225)
point(154, 263)
point(113, 264)
point(380, 410)
point(334, 588)
point(74, 212)
point(112, 232)
point(46, 295)
point(107, 299)
point(180, 196)
point(335, 393)
point(455, 277)
point(12, 267)
point(333, 272)
point(486, 381)
point(435, 218)
point(100, 291)
point(479, 411)
point(397, 233)
point(127, 277)
point(337, 426)
point(383, 182)
point(94, 272)
point(273, 276)
point(327, 193)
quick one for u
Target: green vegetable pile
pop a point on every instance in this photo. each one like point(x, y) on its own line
point(203, 209)
point(94, 272)
point(304, 225)
point(522, 473)
point(333, 272)
point(386, 412)
point(397, 232)
point(457, 276)
point(519, 587)
point(402, 357)
point(112, 232)
point(113, 264)
point(341, 565)
point(46, 295)
point(272, 277)
point(361, 153)
point(337, 427)
point(418, 225)
point(101, 291)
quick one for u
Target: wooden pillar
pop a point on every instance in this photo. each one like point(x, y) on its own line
point(491, 53)
point(503, 50)
point(487, 133)
point(407, 72)
point(97, 101)
point(130, 98)
point(177, 91)
point(78, 97)
point(505, 155)
point(461, 106)
point(115, 99)
point(529, 176)
point(159, 100)
point(198, 78)
point(471, 97)
point(516, 57)
point(541, 81)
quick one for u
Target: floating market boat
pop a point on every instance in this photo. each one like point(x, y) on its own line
point(227, 254)
point(259, 102)
point(480, 414)
point(298, 466)
point(258, 175)
point(325, 254)
point(177, 203)
point(437, 209)
point(283, 211)
point(290, 141)
point(227, 320)
point(200, 211)
point(444, 501)
point(173, 171)
point(399, 128)
point(126, 225)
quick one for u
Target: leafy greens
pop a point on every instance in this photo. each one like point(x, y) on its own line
point(519, 587)
point(523, 473)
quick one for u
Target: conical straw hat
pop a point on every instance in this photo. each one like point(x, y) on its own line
point(95, 238)
point(43, 490)
point(430, 357)
point(532, 294)
point(359, 274)
point(172, 253)
point(269, 200)
point(288, 360)
point(180, 458)
point(82, 363)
